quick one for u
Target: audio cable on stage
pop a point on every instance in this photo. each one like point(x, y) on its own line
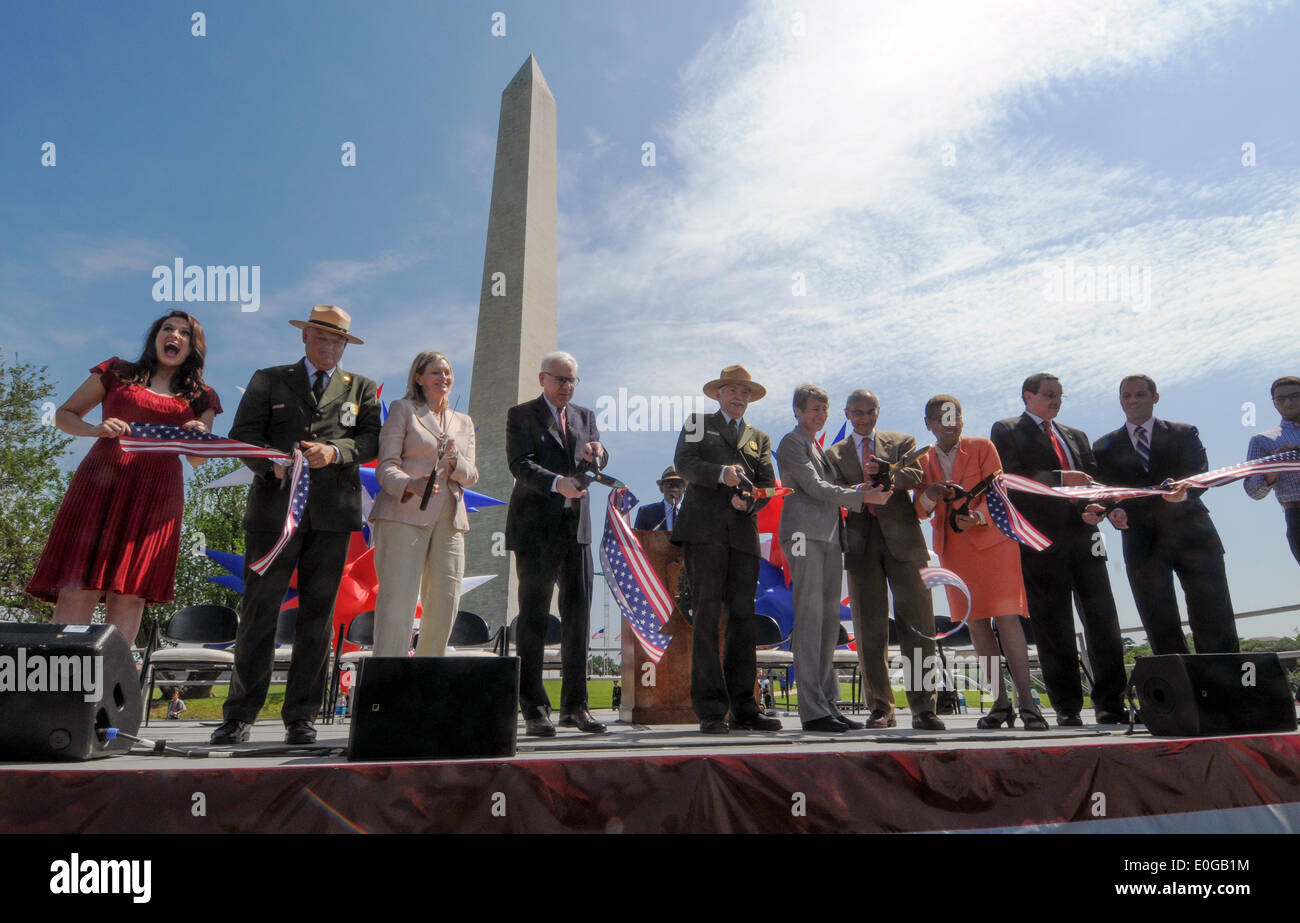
point(162, 748)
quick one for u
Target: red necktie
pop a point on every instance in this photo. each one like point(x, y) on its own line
point(564, 434)
point(1056, 446)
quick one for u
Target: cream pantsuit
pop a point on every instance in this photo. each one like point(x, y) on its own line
point(417, 561)
point(419, 553)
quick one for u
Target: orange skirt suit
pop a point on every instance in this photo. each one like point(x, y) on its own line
point(986, 559)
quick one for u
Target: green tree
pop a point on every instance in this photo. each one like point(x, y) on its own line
point(31, 484)
point(1255, 645)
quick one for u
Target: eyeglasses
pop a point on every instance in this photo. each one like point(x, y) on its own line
point(566, 379)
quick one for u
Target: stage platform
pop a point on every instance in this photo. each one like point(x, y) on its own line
point(671, 779)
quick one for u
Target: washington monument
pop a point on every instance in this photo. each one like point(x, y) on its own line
point(516, 315)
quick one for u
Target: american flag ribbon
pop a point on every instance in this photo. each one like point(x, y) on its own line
point(1008, 519)
point(640, 595)
point(178, 440)
point(1090, 492)
point(1278, 463)
point(299, 481)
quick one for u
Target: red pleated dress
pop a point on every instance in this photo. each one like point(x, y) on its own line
point(119, 527)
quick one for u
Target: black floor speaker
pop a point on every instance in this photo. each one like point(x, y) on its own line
point(1197, 695)
point(434, 708)
point(60, 685)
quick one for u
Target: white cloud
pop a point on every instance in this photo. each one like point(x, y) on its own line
point(824, 154)
point(335, 282)
point(86, 258)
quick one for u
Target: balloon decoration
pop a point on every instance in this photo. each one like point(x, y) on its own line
point(774, 597)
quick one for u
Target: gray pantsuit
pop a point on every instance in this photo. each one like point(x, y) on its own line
point(811, 538)
point(816, 581)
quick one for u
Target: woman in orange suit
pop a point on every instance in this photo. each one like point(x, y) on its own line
point(979, 553)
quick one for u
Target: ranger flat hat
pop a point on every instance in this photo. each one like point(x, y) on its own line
point(735, 375)
point(332, 319)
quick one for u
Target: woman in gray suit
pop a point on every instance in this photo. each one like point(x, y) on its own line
point(421, 553)
point(810, 536)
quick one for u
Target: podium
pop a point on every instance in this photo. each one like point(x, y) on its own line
point(659, 693)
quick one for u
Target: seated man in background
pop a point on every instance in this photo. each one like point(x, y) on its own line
point(662, 516)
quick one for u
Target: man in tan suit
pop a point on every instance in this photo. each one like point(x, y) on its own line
point(885, 548)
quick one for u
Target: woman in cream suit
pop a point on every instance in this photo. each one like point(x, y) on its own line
point(810, 537)
point(421, 553)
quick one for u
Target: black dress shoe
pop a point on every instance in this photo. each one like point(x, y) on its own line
point(928, 721)
point(1111, 717)
point(849, 723)
point(1069, 720)
point(827, 725)
point(714, 726)
point(231, 731)
point(756, 723)
point(539, 727)
point(299, 731)
point(581, 720)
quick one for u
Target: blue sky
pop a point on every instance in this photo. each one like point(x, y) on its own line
point(928, 168)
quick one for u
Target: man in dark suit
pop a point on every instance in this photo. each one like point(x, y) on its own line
point(333, 417)
point(719, 529)
point(662, 516)
point(1168, 534)
point(1035, 446)
point(548, 527)
point(884, 548)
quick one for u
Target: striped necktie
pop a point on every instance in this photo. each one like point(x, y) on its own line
point(1143, 447)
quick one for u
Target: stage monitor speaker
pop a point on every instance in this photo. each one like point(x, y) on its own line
point(1199, 695)
point(434, 708)
point(60, 685)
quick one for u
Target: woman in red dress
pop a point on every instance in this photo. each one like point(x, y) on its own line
point(979, 553)
point(117, 534)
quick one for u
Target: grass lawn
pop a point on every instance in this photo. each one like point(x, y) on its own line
point(900, 698)
point(210, 709)
point(599, 693)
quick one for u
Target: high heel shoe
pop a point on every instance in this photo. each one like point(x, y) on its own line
point(1033, 719)
point(996, 718)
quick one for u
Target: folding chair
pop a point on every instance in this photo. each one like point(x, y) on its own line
point(551, 652)
point(767, 637)
point(469, 636)
point(360, 631)
point(201, 625)
point(285, 625)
